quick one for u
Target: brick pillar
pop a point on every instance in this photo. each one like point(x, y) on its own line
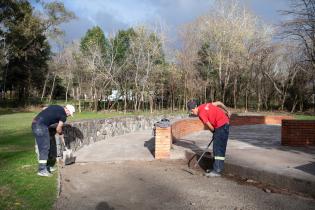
point(163, 141)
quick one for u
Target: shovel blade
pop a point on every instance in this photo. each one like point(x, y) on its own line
point(68, 157)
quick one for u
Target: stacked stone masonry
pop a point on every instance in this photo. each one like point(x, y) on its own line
point(79, 134)
point(298, 133)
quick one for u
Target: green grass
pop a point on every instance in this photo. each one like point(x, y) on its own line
point(20, 187)
point(304, 117)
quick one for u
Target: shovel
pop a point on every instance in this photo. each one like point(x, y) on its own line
point(67, 154)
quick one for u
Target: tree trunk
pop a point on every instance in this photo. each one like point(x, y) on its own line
point(125, 100)
point(205, 94)
point(295, 102)
point(52, 88)
point(95, 100)
point(162, 96)
point(151, 103)
point(246, 100)
point(67, 89)
point(234, 92)
point(44, 88)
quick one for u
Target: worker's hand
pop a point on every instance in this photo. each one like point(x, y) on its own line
point(59, 130)
point(228, 114)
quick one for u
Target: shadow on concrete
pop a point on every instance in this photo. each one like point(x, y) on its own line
point(104, 206)
point(194, 153)
point(70, 135)
point(150, 145)
point(264, 136)
point(308, 168)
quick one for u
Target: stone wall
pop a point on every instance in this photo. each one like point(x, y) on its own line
point(78, 134)
point(298, 133)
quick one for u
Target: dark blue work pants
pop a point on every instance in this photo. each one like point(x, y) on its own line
point(41, 134)
point(220, 138)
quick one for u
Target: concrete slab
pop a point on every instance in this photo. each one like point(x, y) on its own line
point(255, 152)
point(162, 185)
point(133, 146)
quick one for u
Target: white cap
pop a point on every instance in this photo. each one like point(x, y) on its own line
point(71, 109)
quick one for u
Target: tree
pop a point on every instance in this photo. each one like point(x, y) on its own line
point(301, 28)
point(94, 38)
point(26, 62)
point(146, 53)
point(24, 33)
point(121, 43)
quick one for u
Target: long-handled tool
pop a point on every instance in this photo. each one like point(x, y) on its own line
point(204, 152)
point(67, 154)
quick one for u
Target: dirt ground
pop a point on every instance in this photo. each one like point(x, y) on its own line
point(161, 185)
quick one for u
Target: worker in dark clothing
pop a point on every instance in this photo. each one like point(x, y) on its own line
point(215, 116)
point(48, 116)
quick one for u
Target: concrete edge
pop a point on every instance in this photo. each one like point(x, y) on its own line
point(58, 179)
point(290, 183)
point(274, 179)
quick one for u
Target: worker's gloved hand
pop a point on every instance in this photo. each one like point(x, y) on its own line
point(229, 114)
point(59, 130)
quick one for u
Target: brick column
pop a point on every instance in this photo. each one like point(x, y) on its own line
point(163, 141)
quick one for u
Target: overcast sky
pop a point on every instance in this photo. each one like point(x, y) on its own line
point(112, 15)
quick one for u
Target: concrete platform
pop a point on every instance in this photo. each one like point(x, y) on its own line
point(138, 185)
point(133, 146)
point(253, 152)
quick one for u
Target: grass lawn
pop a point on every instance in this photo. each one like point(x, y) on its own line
point(20, 187)
point(304, 117)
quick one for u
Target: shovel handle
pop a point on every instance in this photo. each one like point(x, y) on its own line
point(204, 152)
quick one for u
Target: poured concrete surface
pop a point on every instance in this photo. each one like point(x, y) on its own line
point(258, 146)
point(255, 151)
point(161, 185)
point(121, 173)
point(252, 147)
point(133, 146)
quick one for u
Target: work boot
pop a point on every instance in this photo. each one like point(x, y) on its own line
point(212, 174)
point(51, 165)
point(42, 170)
point(51, 169)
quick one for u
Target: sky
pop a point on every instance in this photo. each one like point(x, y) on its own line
point(112, 15)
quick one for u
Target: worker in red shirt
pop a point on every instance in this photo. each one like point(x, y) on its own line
point(217, 120)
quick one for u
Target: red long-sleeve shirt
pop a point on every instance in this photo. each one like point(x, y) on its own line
point(214, 115)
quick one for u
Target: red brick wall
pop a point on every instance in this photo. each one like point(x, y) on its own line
point(252, 120)
point(183, 127)
point(162, 143)
point(298, 133)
